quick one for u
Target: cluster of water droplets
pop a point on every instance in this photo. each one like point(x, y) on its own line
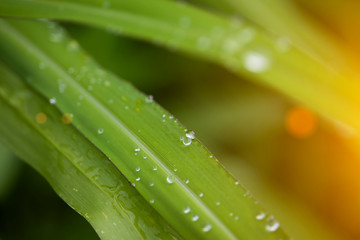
point(187, 140)
point(271, 224)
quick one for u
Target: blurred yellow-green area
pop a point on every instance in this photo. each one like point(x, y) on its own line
point(302, 167)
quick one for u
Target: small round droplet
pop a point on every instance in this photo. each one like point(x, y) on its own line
point(107, 83)
point(170, 179)
point(190, 134)
point(201, 195)
point(186, 141)
point(231, 214)
point(138, 169)
point(255, 62)
point(149, 99)
point(206, 228)
point(187, 181)
point(137, 149)
point(261, 216)
point(272, 225)
point(100, 131)
point(203, 43)
point(237, 183)
point(195, 218)
point(151, 184)
point(52, 100)
point(152, 201)
point(138, 179)
point(155, 168)
point(217, 203)
point(187, 210)
point(144, 157)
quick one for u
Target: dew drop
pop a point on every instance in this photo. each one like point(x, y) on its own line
point(100, 131)
point(137, 149)
point(187, 181)
point(144, 157)
point(231, 45)
point(62, 86)
point(137, 169)
point(52, 100)
point(149, 99)
point(201, 195)
point(237, 183)
point(190, 134)
point(203, 43)
point(195, 218)
point(261, 216)
point(187, 210)
point(272, 225)
point(151, 184)
point(137, 179)
point(186, 141)
point(107, 83)
point(155, 168)
point(206, 228)
point(255, 62)
point(217, 203)
point(231, 214)
point(170, 179)
point(152, 201)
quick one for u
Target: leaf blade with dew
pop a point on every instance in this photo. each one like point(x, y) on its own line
point(78, 172)
point(166, 164)
point(238, 45)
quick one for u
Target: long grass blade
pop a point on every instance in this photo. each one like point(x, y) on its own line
point(240, 46)
point(164, 161)
point(80, 174)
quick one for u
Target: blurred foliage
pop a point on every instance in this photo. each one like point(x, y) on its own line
point(32, 210)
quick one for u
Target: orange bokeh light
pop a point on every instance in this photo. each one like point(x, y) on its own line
point(300, 122)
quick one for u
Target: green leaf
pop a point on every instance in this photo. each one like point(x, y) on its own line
point(77, 171)
point(9, 168)
point(240, 46)
point(164, 161)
